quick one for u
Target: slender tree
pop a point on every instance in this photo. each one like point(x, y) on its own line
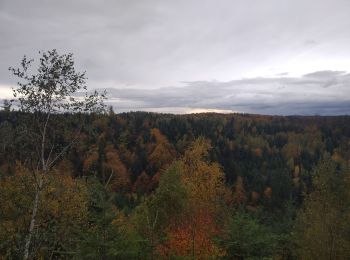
point(53, 89)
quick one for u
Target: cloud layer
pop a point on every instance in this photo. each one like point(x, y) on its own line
point(161, 42)
point(193, 53)
point(321, 92)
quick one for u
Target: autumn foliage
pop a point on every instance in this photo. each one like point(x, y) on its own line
point(149, 186)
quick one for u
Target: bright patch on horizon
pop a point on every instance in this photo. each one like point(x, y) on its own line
point(209, 110)
point(5, 92)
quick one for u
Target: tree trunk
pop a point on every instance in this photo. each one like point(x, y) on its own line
point(32, 221)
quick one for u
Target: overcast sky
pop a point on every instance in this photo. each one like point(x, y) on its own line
point(254, 56)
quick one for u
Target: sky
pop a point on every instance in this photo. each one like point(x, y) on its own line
point(280, 57)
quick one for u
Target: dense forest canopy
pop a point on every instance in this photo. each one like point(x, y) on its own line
point(184, 130)
point(145, 185)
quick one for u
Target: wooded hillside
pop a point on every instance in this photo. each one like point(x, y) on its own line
point(158, 186)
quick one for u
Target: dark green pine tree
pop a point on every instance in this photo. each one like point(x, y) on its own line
point(105, 237)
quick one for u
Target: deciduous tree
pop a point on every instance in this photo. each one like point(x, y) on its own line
point(54, 88)
point(322, 226)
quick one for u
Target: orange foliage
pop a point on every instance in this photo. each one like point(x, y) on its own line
point(257, 152)
point(268, 193)
point(160, 138)
point(336, 156)
point(142, 183)
point(154, 181)
point(255, 197)
point(112, 166)
point(120, 178)
point(192, 238)
point(206, 193)
point(160, 155)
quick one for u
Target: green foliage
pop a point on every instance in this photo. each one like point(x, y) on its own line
point(107, 235)
point(161, 210)
point(246, 238)
point(169, 199)
point(51, 90)
point(52, 86)
point(150, 210)
point(63, 210)
point(322, 226)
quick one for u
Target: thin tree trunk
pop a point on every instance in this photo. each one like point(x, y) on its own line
point(43, 161)
point(32, 221)
point(37, 192)
point(193, 231)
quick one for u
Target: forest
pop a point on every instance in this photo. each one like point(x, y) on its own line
point(159, 186)
point(79, 181)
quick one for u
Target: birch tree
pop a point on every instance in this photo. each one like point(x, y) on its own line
point(48, 91)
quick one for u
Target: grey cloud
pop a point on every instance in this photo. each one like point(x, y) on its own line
point(324, 74)
point(161, 42)
point(256, 95)
point(282, 74)
point(137, 47)
point(310, 42)
point(329, 78)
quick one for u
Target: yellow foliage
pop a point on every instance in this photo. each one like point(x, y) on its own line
point(62, 199)
point(206, 193)
point(337, 157)
point(296, 173)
